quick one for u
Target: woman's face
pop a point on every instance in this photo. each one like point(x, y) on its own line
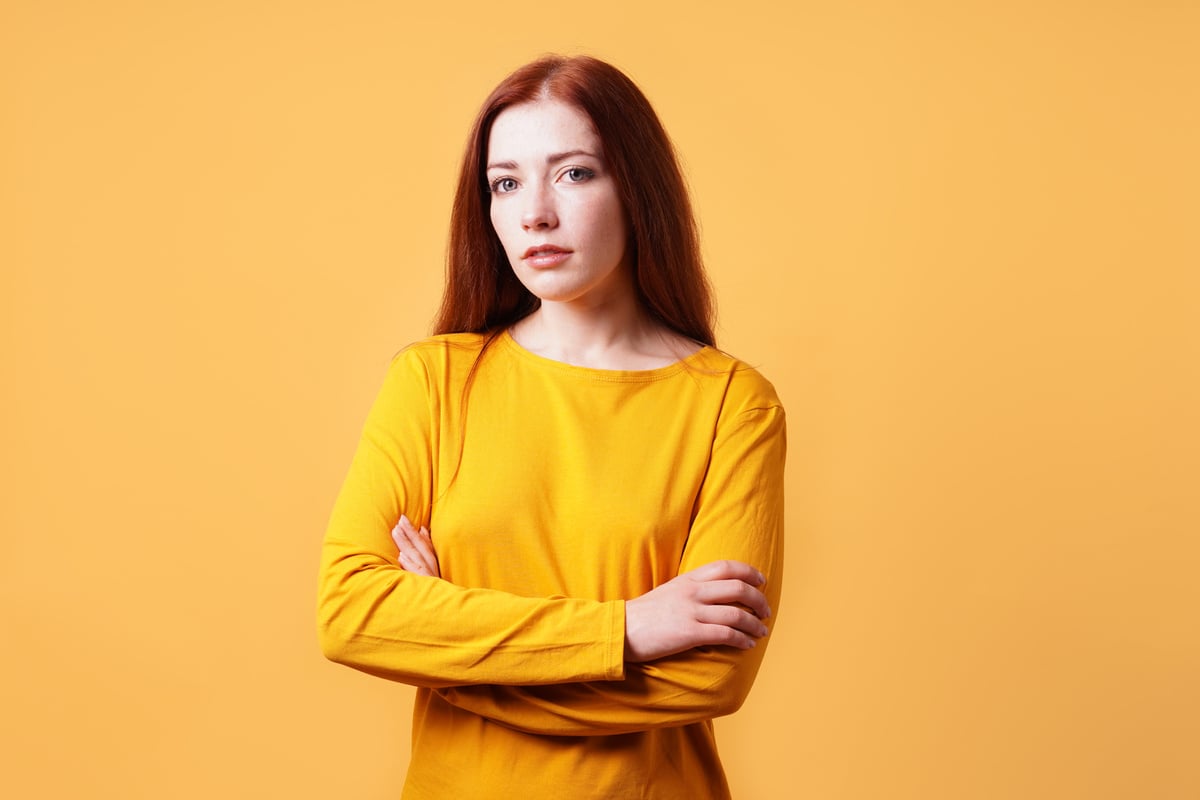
point(554, 205)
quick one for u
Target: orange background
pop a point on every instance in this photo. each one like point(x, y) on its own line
point(961, 238)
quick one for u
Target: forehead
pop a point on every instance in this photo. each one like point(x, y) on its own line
point(530, 131)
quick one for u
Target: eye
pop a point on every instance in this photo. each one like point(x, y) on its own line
point(578, 174)
point(502, 186)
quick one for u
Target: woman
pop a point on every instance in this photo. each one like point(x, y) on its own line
point(603, 486)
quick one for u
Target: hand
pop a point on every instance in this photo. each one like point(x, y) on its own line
point(416, 549)
point(705, 606)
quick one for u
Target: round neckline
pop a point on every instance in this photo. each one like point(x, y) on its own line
point(622, 375)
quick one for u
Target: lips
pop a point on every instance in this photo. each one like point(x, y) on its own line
point(545, 255)
point(543, 249)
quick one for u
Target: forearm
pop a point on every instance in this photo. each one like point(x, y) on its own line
point(377, 618)
point(691, 687)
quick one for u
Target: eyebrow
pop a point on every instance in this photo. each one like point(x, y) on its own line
point(553, 158)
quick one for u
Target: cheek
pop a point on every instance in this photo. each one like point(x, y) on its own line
point(615, 224)
point(497, 218)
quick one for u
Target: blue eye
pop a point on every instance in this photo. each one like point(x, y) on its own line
point(502, 186)
point(579, 174)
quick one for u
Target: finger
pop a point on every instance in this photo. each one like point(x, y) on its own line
point(724, 635)
point(726, 570)
point(400, 537)
point(733, 617)
point(403, 533)
point(408, 564)
point(408, 557)
point(733, 592)
point(422, 544)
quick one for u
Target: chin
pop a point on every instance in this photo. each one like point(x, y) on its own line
point(551, 287)
point(556, 297)
point(552, 291)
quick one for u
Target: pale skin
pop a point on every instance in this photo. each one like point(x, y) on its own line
point(556, 210)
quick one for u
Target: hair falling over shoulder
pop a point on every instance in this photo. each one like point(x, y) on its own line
point(483, 293)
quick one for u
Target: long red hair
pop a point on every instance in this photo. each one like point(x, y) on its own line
point(482, 292)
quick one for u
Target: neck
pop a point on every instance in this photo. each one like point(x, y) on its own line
point(605, 329)
point(614, 335)
point(585, 334)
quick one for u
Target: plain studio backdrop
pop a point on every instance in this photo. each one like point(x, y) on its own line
point(961, 239)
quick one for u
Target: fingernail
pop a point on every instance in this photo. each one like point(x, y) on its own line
point(404, 521)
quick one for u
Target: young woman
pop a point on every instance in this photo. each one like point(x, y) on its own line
point(564, 521)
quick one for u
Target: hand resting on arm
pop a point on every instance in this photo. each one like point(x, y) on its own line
point(716, 604)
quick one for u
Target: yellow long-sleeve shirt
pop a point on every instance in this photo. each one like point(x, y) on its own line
point(553, 493)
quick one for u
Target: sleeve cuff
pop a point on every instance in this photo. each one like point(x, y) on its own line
point(615, 667)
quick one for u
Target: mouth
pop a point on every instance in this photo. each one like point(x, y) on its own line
point(544, 250)
point(544, 256)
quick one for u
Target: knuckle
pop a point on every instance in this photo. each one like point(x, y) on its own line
point(730, 636)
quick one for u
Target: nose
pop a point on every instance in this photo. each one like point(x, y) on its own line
point(539, 211)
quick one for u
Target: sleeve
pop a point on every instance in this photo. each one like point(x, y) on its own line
point(739, 515)
point(375, 617)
